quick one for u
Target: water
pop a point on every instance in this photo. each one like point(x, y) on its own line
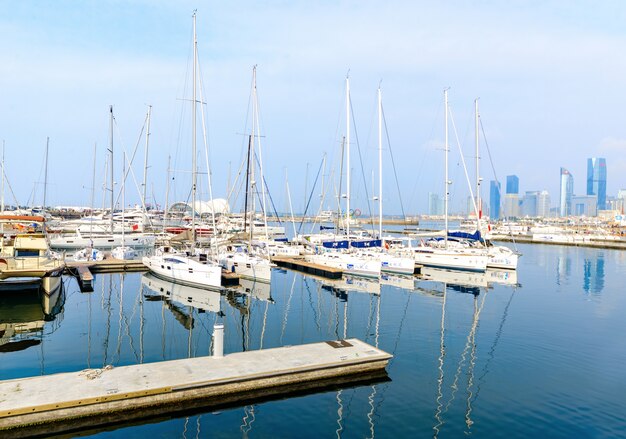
point(543, 358)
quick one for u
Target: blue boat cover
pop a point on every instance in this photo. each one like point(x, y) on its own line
point(366, 244)
point(464, 235)
point(335, 244)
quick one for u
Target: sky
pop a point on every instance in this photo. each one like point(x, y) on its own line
point(548, 75)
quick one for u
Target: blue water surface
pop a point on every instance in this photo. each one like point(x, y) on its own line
point(540, 352)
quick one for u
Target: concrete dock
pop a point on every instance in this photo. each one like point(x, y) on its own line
point(91, 398)
point(300, 264)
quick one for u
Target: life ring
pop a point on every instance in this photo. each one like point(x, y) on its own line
point(387, 245)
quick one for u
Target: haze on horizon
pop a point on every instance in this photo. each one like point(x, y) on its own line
point(548, 75)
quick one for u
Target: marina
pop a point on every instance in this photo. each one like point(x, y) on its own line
point(492, 325)
point(287, 219)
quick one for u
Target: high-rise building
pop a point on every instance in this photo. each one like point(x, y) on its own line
point(596, 180)
point(511, 206)
point(512, 184)
point(529, 203)
point(585, 205)
point(543, 204)
point(494, 200)
point(435, 204)
point(566, 193)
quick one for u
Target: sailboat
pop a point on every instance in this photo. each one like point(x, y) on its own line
point(390, 263)
point(123, 252)
point(109, 237)
point(439, 253)
point(334, 252)
point(238, 257)
point(189, 267)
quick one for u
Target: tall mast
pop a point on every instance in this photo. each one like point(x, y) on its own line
point(2, 200)
point(348, 155)
point(111, 159)
point(380, 165)
point(145, 167)
point(445, 149)
point(167, 189)
point(193, 135)
point(45, 180)
point(478, 202)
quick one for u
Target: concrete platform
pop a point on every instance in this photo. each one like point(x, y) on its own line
point(302, 265)
point(97, 397)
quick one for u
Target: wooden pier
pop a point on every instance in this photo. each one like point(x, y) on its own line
point(95, 398)
point(300, 264)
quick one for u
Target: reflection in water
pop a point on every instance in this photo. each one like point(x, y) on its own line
point(563, 268)
point(594, 274)
point(26, 316)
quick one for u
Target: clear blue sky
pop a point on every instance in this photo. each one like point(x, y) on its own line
point(549, 75)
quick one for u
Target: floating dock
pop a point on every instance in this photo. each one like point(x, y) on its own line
point(300, 264)
point(65, 402)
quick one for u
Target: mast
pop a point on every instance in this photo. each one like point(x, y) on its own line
point(167, 190)
point(2, 200)
point(45, 184)
point(479, 208)
point(445, 149)
point(193, 135)
point(348, 155)
point(145, 167)
point(261, 175)
point(111, 159)
point(380, 165)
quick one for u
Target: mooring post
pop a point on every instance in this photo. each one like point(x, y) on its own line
point(218, 340)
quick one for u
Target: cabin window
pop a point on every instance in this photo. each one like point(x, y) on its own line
point(191, 270)
point(19, 253)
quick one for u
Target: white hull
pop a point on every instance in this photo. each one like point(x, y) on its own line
point(350, 264)
point(185, 269)
point(502, 257)
point(246, 266)
point(103, 241)
point(451, 259)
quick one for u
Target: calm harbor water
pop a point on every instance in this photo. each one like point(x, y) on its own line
point(539, 355)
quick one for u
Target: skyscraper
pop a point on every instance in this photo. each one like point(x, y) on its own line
point(512, 184)
point(596, 180)
point(530, 203)
point(567, 192)
point(494, 200)
point(543, 204)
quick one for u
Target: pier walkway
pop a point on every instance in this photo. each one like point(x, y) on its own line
point(96, 397)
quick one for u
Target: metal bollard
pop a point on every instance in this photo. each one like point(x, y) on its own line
point(218, 340)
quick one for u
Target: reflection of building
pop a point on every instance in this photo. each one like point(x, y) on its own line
point(566, 193)
point(584, 205)
point(494, 200)
point(563, 269)
point(594, 275)
point(596, 180)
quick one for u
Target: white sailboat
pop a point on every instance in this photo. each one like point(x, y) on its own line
point(191, 268)
point(440, 254)
point(336, 252)
point(238, 257)
point(123, 252)
point(109, 237)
